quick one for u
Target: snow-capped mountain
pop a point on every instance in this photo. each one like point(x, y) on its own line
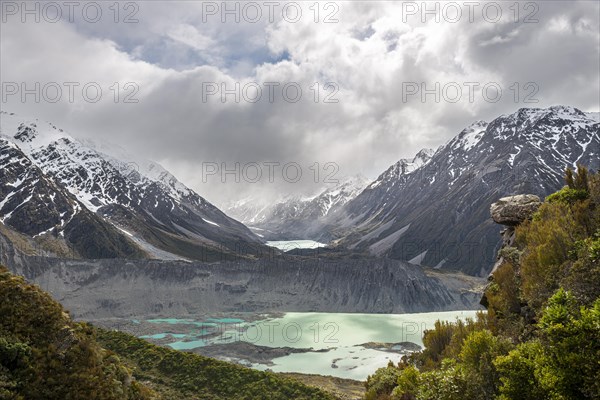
point(437, 213)
point(403, 167)
point(33, 204)
point(138, 197)
point(296, 217)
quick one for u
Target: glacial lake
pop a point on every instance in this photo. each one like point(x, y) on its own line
point(336, 338)
point(287, 245)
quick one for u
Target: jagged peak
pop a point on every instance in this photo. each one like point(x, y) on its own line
point(566, 109)
point(470, 136)
point(479, 124)
point(423, 156)
point(31, 133)
point(34, 134)
point(532, 115)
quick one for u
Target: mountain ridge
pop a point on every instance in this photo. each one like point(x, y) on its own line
point(293, 217)
point(148, 206)
point(436, 215)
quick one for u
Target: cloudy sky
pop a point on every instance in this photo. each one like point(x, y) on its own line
point(345, 87)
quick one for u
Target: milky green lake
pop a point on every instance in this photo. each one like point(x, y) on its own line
point(340, 333)
point(287, 245)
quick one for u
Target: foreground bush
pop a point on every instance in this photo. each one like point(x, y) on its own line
point(540, 338)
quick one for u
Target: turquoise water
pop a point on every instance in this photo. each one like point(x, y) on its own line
point(287, 245)
point(326, 330)
point(164, 335)
point(198, 329)
point(342, 334)
point(175, 321)
point(226, 320)
point(187, 345)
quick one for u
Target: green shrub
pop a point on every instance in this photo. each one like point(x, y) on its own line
point(504, 300)
point(477, 357)
point(547, 242)
point(571, 338)
point(446, 383)
point(382, 383)
point(517, 373)
point(407, 385)
point(567, 196)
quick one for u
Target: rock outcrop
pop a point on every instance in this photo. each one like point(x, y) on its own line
point(511, 211)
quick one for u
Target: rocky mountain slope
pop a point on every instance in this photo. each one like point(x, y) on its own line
point(93, 289)
point(52, 183)
point(292, 217)
point(435, 212)
point(35, 205)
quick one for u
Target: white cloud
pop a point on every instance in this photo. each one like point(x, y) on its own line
point(370, 53)
point(190, 36)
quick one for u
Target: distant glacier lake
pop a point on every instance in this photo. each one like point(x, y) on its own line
point(337, 344)
point(287, 245)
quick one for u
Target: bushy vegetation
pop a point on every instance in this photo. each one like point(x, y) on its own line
point(45, 355)
point(179, 375)
point(540, 338)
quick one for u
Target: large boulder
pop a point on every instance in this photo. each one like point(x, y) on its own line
point(513, 210)
point(510, 211)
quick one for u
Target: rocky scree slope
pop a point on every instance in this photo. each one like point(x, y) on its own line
point(93, 289)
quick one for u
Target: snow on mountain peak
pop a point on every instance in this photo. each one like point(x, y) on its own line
point(470, 136)
point(289, 211)
point(527, 117)
point(138, 168)
point(97, 173)
point(594, 116)
point(567, 110)
point(404, 167)
point(30, 133)
point(423, 156)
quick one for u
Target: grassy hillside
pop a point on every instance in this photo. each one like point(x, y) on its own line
point(46, 355)
point(540, 338)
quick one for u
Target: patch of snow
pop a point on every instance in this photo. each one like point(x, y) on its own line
point(594, 116)
point(210, 222)
point(124, 231)
point(469, 137)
